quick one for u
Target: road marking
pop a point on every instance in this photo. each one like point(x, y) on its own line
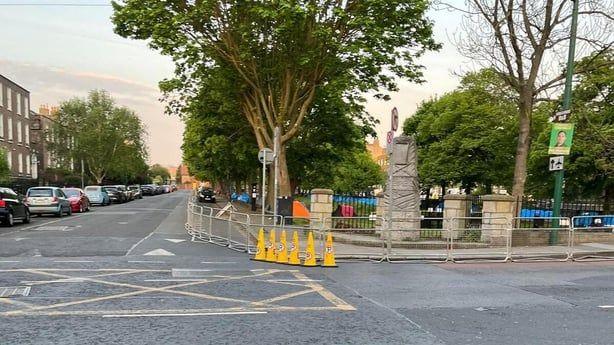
point(292, 280)
point(73, 261)
point(139, 242)
point(43, 224)
point(190, 314)
point(219, 262)
point(329, 296)
point(9, 262)
point(174, 240)
point(159, 252)
point(122, 223)
point(606, 306)
point(17, 239)
point(147, 262)
point(178, 280)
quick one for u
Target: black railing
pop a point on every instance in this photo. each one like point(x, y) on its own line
point(531, 210)
point(355, 210)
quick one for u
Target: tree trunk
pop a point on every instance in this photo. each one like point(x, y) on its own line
point(525, 106)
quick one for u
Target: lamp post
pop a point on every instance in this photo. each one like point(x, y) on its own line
point(559, 176)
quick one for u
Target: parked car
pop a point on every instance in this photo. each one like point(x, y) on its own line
point(136, 191)
point(159, 190)
point(166, 188)
point(127, 194)
point(97, 195)
point(13, 207)
point(115, 195)
point(79, 201)
point(206, 195)
point(148, 189)
point(173, 188)
point(48, 200)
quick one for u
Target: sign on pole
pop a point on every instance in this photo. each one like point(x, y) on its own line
point(561, 138)
point(265, 156)
point(394, 120)
point(389, 141)
point(556, 163)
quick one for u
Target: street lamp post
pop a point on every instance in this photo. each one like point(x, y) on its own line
point(559, 175)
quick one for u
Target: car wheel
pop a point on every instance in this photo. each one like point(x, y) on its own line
point(59, 214)
point(81, 209)
point(69, 213)
point(26, 219)
point(9, 221)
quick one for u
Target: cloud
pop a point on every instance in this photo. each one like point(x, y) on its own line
point(50, 85)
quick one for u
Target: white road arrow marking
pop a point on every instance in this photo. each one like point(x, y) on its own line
point(20, 239)
point(174, 240)
point(160, 252)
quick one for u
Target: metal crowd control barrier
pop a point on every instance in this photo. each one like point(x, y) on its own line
point(593, 237)
point(409, 241)
point(487, 242)
point(351, 242)
point(531, 239)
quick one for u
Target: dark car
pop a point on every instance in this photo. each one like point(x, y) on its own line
point(148, 189)
point(128, 196)
point(115, 194)
point(13, 207)
point(136, 191)
point(206, 195)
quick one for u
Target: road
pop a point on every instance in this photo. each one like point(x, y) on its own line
point(129, 274)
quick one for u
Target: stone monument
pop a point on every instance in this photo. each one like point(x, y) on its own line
point(404, 187)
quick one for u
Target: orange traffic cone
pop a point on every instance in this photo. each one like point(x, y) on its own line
point(271, 256)
point(294, 250)
point(310, 253)
point(282, 252)
point(260, 248)
point(329, 253)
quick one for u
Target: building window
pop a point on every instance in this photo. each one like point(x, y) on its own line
point(28, 164)
point(26, 130)
point(10, 128)
point(1, 95)
point(20, 163)
point(1, 125)
point(19, 131)
point(26, 105)
point(9, 99)
point(9, 158)
point(19, 97)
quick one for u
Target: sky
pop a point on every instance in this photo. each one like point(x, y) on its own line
point(58, 53)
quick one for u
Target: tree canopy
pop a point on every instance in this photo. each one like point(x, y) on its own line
point(281, 53)
point(466, 136)
point(109, 139)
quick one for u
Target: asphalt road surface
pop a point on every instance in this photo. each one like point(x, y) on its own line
point(128, 274)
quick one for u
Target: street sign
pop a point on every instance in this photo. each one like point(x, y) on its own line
point(561, 116)
point(389, 141)
point(265, 156)
point(394, 121)
point(556, 163)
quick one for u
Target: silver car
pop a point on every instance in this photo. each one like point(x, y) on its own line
point(48, 200)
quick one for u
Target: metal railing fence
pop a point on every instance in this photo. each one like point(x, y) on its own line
point(496, 239)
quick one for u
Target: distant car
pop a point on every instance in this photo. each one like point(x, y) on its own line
point(48, 200)
point(115, 195)
point(13, 207)
point(166, 188)
point(136, 191)
point(206, 195)
point(148, 189)
point(79, 201)
point(127, 194)
point(97, 195)
point(173, 188)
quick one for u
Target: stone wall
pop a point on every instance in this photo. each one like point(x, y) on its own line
point(455, 206)
point(497, 214)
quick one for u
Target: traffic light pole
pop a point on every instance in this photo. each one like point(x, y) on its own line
point(559, 176)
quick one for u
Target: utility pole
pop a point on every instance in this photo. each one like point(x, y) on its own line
point(82, 175)
point(559, 176)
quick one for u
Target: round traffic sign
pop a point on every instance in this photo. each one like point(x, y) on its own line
point(265, 156)
point(395, 119)
point(389, 137)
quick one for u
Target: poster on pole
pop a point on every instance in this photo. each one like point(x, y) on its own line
point(561, 138)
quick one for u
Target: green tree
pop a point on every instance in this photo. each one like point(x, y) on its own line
point(5, 170)
point(589, 169)
point(466, 136)
point(282, 52)
point(158, 170)
point(357, 172)
point(109, 139)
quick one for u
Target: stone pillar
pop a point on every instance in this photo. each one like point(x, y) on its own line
point(405, 189)
point(455, 206)
point(494, 231)
point(321, 207)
